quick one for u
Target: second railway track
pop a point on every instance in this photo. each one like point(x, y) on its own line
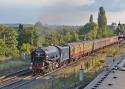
point(13, 76)
point(14, 82)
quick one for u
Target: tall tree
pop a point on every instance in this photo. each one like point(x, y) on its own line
point(28, 35)
point(11, 41)
point(91, 18)
point(40, 34)
point(20, 28)
point(2, 47)
point(8, 43)
point(102, 23)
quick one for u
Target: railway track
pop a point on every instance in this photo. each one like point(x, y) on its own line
point(14, 82)
point(4, 80)
point(13, 74)
point(17, 83)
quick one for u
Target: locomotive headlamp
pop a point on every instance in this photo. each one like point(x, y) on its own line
point(47, 56)
point(31, 63)
point(30, 67)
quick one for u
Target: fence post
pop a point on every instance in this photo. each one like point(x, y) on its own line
point(52, 84)
point(52, 79)
point(64, 84)
point(81, 74)
point(109, 61)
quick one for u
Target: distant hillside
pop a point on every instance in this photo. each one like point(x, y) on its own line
point(45, 27)
point(17, 25)
point(51, 28)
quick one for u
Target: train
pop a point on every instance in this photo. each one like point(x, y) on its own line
point(49, 58)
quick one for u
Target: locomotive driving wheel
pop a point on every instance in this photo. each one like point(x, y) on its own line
point(55, 65)
point(50, 67)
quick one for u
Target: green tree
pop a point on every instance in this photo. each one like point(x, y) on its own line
point(11, 43)
point(53, 38)
point(25, 48)
point(74, 36)
point(3, 30)
point(89, 31)
point(91, 18)
point(66, 35)
point(32, 35)
point(2, 47)
point(102, 23)
point(27, 35)
point(20, 28)
point(8, 38)
point(62, 40)
point(40, 34)
point(93, 33)
point(69, 35)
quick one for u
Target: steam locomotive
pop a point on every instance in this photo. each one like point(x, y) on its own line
point(52, 57)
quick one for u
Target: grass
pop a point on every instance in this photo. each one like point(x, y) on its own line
point(11, 65)
point(3, 58)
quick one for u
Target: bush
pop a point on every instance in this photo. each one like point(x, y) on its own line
point(26, 48)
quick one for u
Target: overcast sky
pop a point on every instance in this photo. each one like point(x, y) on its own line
point(59, 12)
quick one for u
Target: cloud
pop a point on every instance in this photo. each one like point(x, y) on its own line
point(109, 5)
point(76, 2)
point(60, 11)
point(48, 11)
point(46, 2)
point(116, 17)
point(78, 11)
point(69, 18)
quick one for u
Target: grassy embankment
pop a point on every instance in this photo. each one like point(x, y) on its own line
point(8, 65)
point(69, 78)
